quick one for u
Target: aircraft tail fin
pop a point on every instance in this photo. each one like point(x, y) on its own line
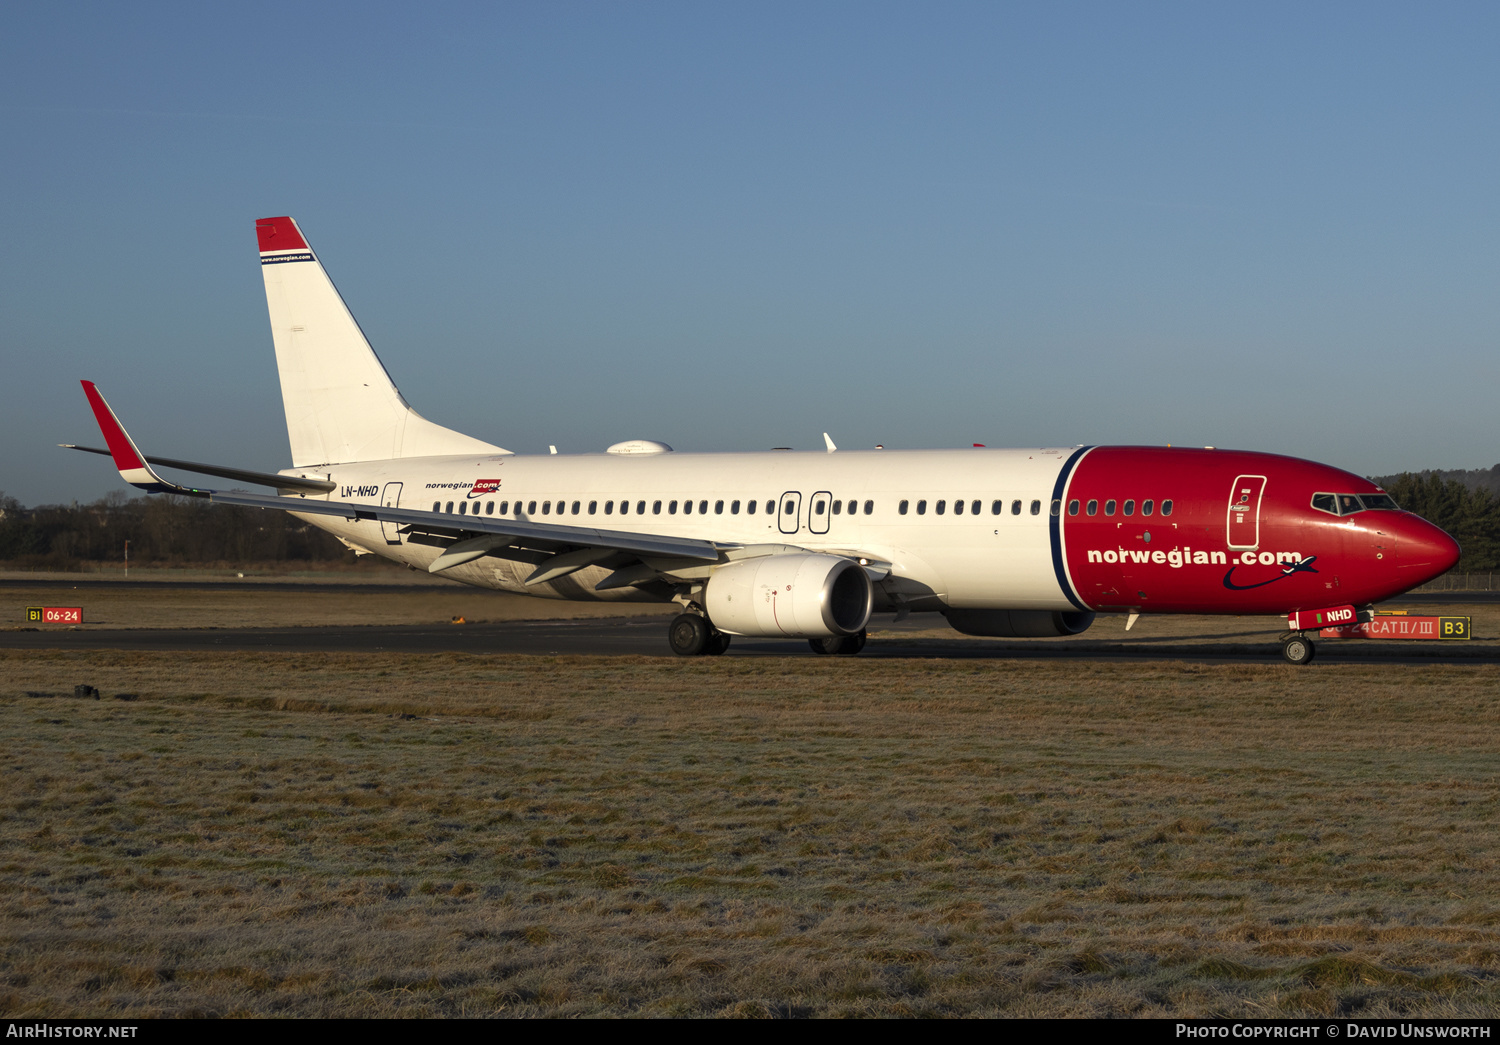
point(341, 405)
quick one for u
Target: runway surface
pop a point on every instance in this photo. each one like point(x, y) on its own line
point(922, 635)
point(630, 636)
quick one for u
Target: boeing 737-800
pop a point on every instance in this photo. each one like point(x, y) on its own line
point(1024, 542)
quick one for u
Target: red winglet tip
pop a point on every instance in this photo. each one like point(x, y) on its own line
point(115, 438)
point(278, 234)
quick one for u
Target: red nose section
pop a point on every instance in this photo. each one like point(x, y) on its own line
point(1425, 550)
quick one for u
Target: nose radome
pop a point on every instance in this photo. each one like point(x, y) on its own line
point(1425, 549)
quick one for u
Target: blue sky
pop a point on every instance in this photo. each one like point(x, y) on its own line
point(1268, 226)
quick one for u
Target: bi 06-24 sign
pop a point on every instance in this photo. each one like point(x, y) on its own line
point(54, 614)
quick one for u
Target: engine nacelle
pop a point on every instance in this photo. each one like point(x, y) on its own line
point(1019, 624)
point(802, 596)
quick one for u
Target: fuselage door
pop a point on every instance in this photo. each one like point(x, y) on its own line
point(819, 511)
point(390, 497)
point(1244, 511)
point(788, 511)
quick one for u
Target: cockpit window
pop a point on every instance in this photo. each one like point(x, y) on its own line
point(1348, 503)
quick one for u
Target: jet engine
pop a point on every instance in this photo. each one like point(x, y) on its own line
point(1018, 624)
point(795, 596)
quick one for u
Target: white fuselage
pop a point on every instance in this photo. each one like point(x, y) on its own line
point(938, 556)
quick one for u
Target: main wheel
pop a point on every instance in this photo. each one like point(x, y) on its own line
point(1298, 649)
point(717, 644)
point(845, 645)
point(688, 634)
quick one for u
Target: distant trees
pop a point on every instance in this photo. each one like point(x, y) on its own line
point(161, 530)
point(1471, 515)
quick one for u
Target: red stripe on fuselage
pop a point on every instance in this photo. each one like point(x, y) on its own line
point(1183, 562)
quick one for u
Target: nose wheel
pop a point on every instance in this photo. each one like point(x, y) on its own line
point(1298, 649)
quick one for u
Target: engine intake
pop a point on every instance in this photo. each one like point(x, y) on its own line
point(794, 596)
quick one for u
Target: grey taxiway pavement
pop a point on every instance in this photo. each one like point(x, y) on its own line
point(647, 636)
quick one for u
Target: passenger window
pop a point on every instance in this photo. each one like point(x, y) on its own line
point(921, 507)
point(489, 507)
point(624, 507)
point(718, 507)
point(640, 507)
point(1036, 507)
point(790, 509)
point(1057, 508)
point(1147, 507)
point(609, 507)
point(450, 508)
point(1093, 508)
point(575, 507)
point(901, 508)
point(461, 507)
point(703, 507)
point(974, 508)
point(958, 507)
point(531, 508)
point(771, 508)
point(838, 507)
point(996, 507)
point(1109, 507)
point(687, 507)
point(1015, 507)
point(593, 507)
point(504, 507)
point(750, 507)
point(1166, 507)
point(818, 507)
point(869, 507)
point(672, 507)
point(546, 507)
point(1130, 507)
point(655, 507)
point(437, 506)
point(940, 506)
point(1072, 507)
point(734, 507)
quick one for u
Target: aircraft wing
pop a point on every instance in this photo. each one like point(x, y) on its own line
point(545, 536)
point(556, 550)
point(292, 483)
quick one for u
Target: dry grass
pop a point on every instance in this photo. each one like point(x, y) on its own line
point(381, 834)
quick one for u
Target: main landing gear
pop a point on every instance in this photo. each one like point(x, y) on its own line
point(845, 645)
point(691, 635)
point(1298, 649)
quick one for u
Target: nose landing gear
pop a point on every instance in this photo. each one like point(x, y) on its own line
point(1298, 649)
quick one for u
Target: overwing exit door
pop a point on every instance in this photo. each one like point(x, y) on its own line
point(788, 510)
point(1243, 523)
point(819, 511)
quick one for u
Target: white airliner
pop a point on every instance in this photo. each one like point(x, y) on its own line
point(1025, 542)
